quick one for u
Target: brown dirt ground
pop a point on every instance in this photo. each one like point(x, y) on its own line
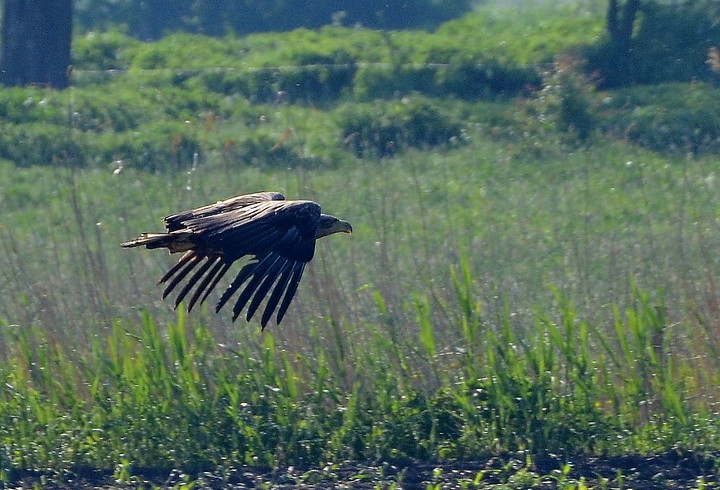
point(676, 470)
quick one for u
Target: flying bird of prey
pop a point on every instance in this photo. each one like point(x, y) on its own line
point(277, 235)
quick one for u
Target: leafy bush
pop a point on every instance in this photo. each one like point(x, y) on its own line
point(264, 148)
point(217, 17)
point(461, 76)
point(381, 129)
point(21, 105)
point(102, 51)
point(325, 78)
point(182, 102)
point(125, 110)
point(387, 81)
point(566, 101)
point(476, 78)
point(310, 78)
point(323, 65)
point(671, 117)
point(535, 36)
point(229, 81)
point(40, 143)
point(161, 145)
point(184, 51)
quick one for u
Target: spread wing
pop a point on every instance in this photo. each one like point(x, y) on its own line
point(177, 221)
point(278, 236)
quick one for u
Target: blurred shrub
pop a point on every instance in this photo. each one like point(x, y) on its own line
point(316, 66)
point(266, 148)
point(182, 51)
point(308, 78)
point(308, 67)
point(473, 78)
point(673, 117)
point(566, 102)
point(151, 20)
point(102, 51)
point(94, 111)
point(28, 104)
point(462, 77)
point(318, 77)
point(183, 101)
point(231, 81)
point(385, 82)
point(520, 36)
point(382, 129)
point(161, 145)
point(40, 143)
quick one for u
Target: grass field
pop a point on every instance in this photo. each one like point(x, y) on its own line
point(516, 308)
point(486, 302)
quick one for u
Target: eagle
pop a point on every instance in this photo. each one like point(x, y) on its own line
point(277, 235)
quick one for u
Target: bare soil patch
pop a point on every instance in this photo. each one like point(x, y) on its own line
point(675, 469)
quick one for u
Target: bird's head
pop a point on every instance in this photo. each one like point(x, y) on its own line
point(330, 224)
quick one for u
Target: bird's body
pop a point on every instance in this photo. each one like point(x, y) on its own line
point(278, 235)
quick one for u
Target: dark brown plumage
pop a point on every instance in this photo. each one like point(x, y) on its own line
point(278, 235)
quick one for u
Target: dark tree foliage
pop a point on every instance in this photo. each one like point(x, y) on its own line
point(36, 42)
point(151, 19)
point(654, 41)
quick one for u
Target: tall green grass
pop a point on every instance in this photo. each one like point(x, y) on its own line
point(169, 396)
point(485, 303)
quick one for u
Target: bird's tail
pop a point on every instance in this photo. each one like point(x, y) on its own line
point(175, 241)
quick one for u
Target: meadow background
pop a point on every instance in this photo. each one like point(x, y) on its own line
point(532, 273)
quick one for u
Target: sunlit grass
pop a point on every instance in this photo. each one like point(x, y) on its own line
point(485, 303)
point(152, 396)
point(586, 223)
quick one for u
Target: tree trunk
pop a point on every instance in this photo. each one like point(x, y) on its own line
point(36, 42)
point(620, 23)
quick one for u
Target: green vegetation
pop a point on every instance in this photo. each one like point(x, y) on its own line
point(531, 282)
point(670, 43)
point(220, 17)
